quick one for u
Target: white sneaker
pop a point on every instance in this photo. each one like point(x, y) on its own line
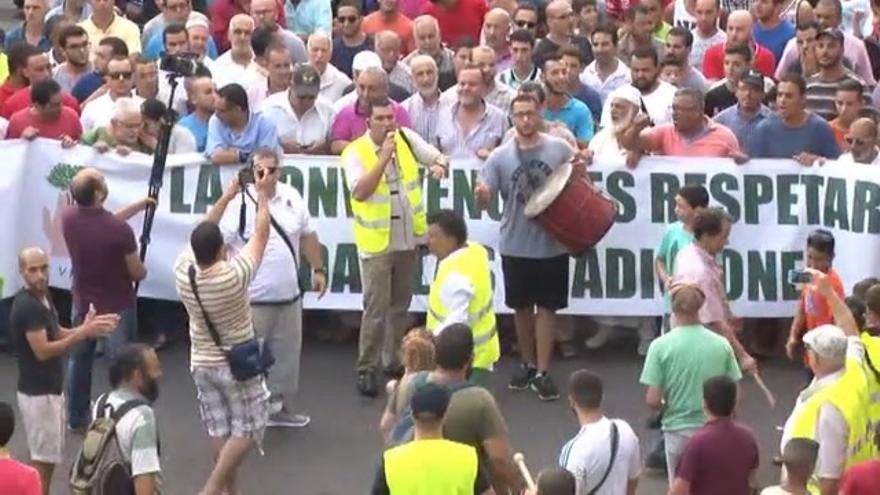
point(275, 407)
point(598, 340)
point(286, 420)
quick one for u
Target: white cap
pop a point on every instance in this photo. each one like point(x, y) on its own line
point(196, 22)
point(828, 341)
point(628, 93)
point(364, 60)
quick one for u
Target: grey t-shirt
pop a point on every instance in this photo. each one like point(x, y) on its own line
point(517, 174)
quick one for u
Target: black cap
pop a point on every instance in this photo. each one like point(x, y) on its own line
point(754, 79)
point(832, 32)
point(306, 80)
point(430, 398)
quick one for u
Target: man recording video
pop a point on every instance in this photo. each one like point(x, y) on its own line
point(275, 293)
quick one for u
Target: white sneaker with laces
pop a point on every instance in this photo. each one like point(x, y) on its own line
point(283, 419)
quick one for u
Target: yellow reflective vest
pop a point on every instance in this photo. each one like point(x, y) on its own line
point(472, 261)
point(372, 217)
point(431, 467)
point(872, 372)
point(849, 394)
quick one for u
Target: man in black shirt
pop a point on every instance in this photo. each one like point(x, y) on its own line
point(737, 60)
point(560, 24)
point(40, 344)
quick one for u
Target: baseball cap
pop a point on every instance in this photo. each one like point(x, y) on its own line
point(365, 60)
point(306, 81)
point(828, 341)
point(834, 33)
point(430, 398)
point(754, 79)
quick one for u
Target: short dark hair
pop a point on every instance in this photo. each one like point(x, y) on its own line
point(452, 224)
point(380, 102)
point(524, 98)
point(680, 32)
point(555, 56)
point(556, 481)
point(585, 389)
point(572, 51)
point(796, 79)
point(872, 299)
point(806, 26)
point(608, 29)
point(173, 29)
point(532, 87)
point(719, 393)
point(579, 5)
point(838, 7)
point(455, 347)
point(85, 190)
point(821, 240)
point(118, 48)
point(18, 55)
point(356, 4)
point(234, 93)
point(206, 241)
point(850, 85)
point(261, 39)
point(857, 307)
point(153, 109)
point(72, 31)
point(127, 360)
point(644, 52)
point(522, 36)
point(695, 194)
point(673, 61)
point(710, 221)
point(43, 91)
point(7, 423)
point(739, 49)
point(525, 5)
point(860, 289)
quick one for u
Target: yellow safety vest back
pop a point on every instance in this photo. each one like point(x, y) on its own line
point(872, 373)
point(372, 217)
point(472, 261)
point(431, 467)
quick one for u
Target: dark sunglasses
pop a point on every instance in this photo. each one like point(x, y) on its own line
point(350, 19)
point(119, 75)
point(854, 141)
point(526, 24)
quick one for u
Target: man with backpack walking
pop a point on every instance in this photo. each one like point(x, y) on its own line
point(125, 424)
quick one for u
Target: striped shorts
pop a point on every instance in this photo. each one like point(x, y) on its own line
point(229, 407)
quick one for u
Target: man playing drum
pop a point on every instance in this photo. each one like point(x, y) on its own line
point(535, 265)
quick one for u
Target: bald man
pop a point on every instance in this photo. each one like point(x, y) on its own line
point(739, 30)
point(426, 32)
point(41, 343)
point(333, 81)
point(232, 65)
point(496, 34)
point(105, 265)
point(560, 25)
point(388, 47)
point(862, 137)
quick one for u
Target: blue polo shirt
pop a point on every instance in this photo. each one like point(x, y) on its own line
point(17, 36)
point(87, 85)
point(198, 129)
point(576, 116)
point(259, 133)
point(156, 49)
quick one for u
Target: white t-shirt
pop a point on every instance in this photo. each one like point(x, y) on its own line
point(587, 455)
point(313, 127)
point(98, 112)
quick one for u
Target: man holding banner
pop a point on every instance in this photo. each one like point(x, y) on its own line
point(382, 172)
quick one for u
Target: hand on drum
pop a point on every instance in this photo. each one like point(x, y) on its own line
point(579, 162)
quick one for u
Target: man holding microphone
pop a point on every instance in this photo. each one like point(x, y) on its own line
point(382, 173)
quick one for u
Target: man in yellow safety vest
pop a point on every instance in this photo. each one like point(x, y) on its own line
point(382, 173)
point(462, 289)
point(833, 409)
point(430, 465)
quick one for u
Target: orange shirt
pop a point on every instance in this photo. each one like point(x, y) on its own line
point(817, 311)
point(401, 25)
point(839, 135)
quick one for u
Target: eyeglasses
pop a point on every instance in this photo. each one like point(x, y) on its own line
point(119, 75)
point(526, 24)
point(347, 19)
point(855, 141)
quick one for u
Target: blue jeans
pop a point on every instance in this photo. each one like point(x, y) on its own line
point(78, 387)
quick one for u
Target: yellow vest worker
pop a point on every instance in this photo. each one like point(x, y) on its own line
point(430, 465)
point(835, 396)
point(872, 373)
point(462, 288)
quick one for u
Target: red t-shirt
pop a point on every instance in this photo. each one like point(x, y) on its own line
point(19, 478)
point(22, 99)
point(713, 61)
point(861, 479)
point(463, 20)
point(68, 124)
point(719, 458)
point(6, 90)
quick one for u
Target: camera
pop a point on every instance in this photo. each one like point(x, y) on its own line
point(183, 65)
point(246, 174)
point(799, 277)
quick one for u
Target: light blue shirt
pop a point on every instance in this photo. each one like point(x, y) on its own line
point(309, 17)
point(743, 126)
point(155, 48)
point(59, 9)
point(259, 133)
point(198, 129)
point(576, 116)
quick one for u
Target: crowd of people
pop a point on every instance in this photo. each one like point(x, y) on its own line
point(398, 89)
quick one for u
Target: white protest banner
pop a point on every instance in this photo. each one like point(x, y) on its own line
point(774, 203)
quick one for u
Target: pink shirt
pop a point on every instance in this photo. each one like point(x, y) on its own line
point(350, 125)
point(695, 265)
point(19, 478)
point(714, 140)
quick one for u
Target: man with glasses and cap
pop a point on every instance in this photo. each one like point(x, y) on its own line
point(302, 117)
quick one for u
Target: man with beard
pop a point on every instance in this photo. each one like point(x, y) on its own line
point(535, 265)
point(656, 95)
point(822, 86)
point(560, 106)
point(75, 43)
point(469, 126)
point(41, 343)
point(134, 376)
point(624, 106)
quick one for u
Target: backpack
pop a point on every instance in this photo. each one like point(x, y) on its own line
point(403, 430)
point(100, 467)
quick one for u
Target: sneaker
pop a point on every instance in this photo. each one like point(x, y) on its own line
point(275, 406)
point(598, 341)
point(544, 386)
point(284, 419)
point(643, 347)
point(522, 377)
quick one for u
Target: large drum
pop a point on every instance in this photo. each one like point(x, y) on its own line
point(574, 211)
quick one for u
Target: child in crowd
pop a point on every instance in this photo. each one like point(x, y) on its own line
point(813, 310)
point(690, 200)
point(672, 70)
point(799, 458)
point(416, 354)
point(555, 481)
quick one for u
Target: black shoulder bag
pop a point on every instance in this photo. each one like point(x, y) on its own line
point(247, 359)
point(615, 440)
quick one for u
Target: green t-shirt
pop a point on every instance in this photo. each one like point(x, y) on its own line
point(678, 363)
point(675, 238)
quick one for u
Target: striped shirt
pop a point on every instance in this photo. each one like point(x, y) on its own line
point(423, 116)
point(223, 289)
point(500, 96)
point(509, 77)
point(486, 133)
point(136, 433)
point(821, 95)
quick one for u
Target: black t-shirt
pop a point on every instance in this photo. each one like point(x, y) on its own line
point(380, 484)
point(719, 98)
point(35, 377)
point(545, 47)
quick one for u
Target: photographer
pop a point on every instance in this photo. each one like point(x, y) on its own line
point(275, 294)
point(234, 408)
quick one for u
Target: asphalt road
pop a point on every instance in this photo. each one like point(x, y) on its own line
point(337, 453)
